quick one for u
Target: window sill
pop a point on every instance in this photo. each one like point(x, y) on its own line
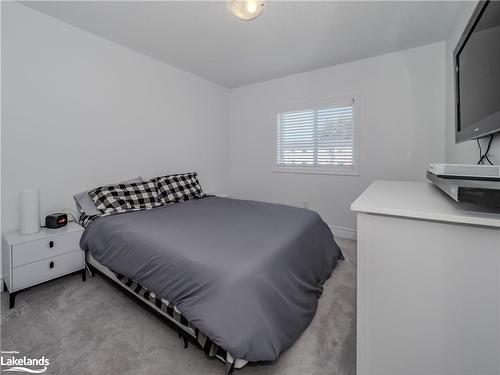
point(341, 172)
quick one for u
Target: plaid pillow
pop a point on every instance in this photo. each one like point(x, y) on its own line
point(178, 187)
point(125, 197)
point(85, 220)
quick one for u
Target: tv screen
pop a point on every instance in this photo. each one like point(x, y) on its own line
point(477, 74)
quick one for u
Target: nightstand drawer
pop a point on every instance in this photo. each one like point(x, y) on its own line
point(43, 270)
point(50, 246)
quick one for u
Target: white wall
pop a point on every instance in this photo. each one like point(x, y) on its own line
point(114, 114)
point(466, 152)
point(80, 111)
point(402, 115)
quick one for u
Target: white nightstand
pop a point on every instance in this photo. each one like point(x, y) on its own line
point(30, 259)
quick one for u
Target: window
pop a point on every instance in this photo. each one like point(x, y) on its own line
point(318, 140)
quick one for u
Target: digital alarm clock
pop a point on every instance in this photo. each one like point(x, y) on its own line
point(57, 220)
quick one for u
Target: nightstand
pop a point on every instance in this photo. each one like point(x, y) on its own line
point(31, 259)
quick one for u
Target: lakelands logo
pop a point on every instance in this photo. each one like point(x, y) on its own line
point(16, 363)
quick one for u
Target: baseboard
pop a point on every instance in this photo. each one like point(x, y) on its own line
point(343, 232)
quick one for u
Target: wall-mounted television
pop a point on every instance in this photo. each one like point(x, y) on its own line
point(477, 74)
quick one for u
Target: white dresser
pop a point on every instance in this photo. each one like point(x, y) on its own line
point(428, 283)
point(32, 259)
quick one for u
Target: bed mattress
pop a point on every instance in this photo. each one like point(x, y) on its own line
point(247, 274)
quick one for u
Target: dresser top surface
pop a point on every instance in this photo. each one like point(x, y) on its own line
point(16, 238)
point(420, 200)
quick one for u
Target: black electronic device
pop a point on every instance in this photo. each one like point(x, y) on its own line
point(477, 74)
point(57, 220)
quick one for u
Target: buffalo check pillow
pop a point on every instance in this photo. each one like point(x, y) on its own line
point(178, 187)
point(125, 197)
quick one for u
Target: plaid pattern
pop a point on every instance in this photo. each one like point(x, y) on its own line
point(208, 346)
point(178, 187)
point(125, 197)
point(85, 220)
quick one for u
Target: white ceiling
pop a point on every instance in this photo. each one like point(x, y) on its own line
point(204, 38)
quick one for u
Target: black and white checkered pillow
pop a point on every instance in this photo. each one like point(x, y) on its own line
point(178, 187)
point(125, 197)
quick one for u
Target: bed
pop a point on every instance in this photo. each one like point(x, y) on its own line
point(240, 277)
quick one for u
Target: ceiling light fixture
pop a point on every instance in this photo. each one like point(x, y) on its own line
point(246, 9)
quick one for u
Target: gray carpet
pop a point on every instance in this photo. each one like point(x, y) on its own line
point(93, 328)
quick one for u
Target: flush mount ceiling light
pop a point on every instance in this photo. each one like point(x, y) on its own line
point(246, 9)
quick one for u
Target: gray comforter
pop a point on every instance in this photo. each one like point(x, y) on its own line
point(247, 274)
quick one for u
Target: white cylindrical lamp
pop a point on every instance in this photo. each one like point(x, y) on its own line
point(29, 200)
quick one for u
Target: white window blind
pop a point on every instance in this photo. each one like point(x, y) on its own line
point(317, 138)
